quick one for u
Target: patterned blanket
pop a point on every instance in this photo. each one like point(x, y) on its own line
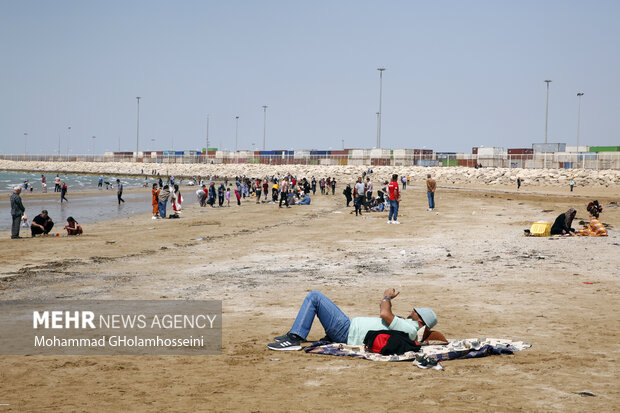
point(428, 356)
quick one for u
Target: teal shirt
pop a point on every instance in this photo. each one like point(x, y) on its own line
point(362, 325)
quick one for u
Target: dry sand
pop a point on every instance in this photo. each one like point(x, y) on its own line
point(261, 261)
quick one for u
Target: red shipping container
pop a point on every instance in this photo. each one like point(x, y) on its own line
point(467, 162)
point(474, 151)
point(520, 151)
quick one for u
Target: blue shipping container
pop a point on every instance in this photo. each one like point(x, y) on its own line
point(568, 165)
point(320, 152)
point(178, 153)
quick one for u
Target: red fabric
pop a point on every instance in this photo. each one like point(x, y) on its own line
point(393, 188)
point(379, 343)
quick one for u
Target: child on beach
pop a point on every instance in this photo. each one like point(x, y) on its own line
point(63, 192)
point(228, 196)
point(155, 192)
point(72, 227)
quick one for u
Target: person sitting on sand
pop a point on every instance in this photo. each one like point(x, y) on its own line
point(595, 228)
point(305, 200)
point(340, 328)
point(562, 224)
point(72, 227)
point(41, 224)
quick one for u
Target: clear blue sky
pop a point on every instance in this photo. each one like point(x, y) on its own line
point(459, 73)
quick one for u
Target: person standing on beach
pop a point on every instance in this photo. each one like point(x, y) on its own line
point(228, 196)
point(284, 192)
point(333, 186)
point(44, 184)
point(572, 183)
point(155, 192)
point(358, 195)
point(265, 188)
point(394, 195)
point(313, 186)
point(404, 181)
point(57, 183)
point(259, 187)
point(177, 199)
point(17, 212)
point(347, 194)
point(431, 185)
point(221, 191)
point(63, 192)
point(368, 189)
point(518, 183)
point(162, 200)
point(100, 183)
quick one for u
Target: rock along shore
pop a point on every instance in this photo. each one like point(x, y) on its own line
point(342, 173)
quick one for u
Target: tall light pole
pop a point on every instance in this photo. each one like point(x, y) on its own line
point(579, 95)
point(264, 125)
point(380, 69)
point(236, 131)
point(68, 139)
point(138, 125)
point(25, 143)
point(343, 144)
point(93, 148)
point(547, 110)
point(207, 133)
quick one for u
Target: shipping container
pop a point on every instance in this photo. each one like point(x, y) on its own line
point(490, 152)
point(549, 147)
point(577, 148)
point(450, 162)
point(319, 153)
point(467, 162)
point(402, 153)
point(380, 161)
point(359, 153)
point(379, 153)
point(474, 151)
point(520, 151)
point(604, 148)
point(301, 154)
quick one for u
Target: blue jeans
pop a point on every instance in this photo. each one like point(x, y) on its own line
point(334, 321)
point(162, 209)
point(431, 199)
point(393, 210)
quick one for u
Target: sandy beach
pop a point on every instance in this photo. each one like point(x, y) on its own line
point(468, 260)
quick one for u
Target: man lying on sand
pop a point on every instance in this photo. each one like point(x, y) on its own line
point(340, 329)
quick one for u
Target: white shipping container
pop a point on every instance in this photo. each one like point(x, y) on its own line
point(403, 153)
point(565, 157)
point(577, 148)
point(359, 153)
point(223, 154)
point(301, 154)
point(245, 154)
point(379, 153)
point(490, 152)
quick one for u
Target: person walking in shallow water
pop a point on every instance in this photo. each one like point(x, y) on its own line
point(63, 192)
point(119, 191)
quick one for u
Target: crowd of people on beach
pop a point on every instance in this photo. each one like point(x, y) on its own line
point(368, 194)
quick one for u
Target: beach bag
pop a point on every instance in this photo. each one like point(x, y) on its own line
point(540, 229)
point(388, 342)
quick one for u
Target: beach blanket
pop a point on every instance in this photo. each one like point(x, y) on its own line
point(429, 356)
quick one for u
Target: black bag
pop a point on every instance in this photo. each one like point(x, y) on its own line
point(388, 342)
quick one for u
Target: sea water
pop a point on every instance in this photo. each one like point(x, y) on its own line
point(83, 209)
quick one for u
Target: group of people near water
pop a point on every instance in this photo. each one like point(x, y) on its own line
point(41, 224)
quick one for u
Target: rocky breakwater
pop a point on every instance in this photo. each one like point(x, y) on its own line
point(342, 173)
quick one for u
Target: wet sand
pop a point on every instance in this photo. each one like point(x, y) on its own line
point(261, 261)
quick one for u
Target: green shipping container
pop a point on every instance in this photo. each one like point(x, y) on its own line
point(604, 148)
point(212, 149)
point(450, 162)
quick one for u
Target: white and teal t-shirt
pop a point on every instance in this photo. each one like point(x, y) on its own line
point(362, 325)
